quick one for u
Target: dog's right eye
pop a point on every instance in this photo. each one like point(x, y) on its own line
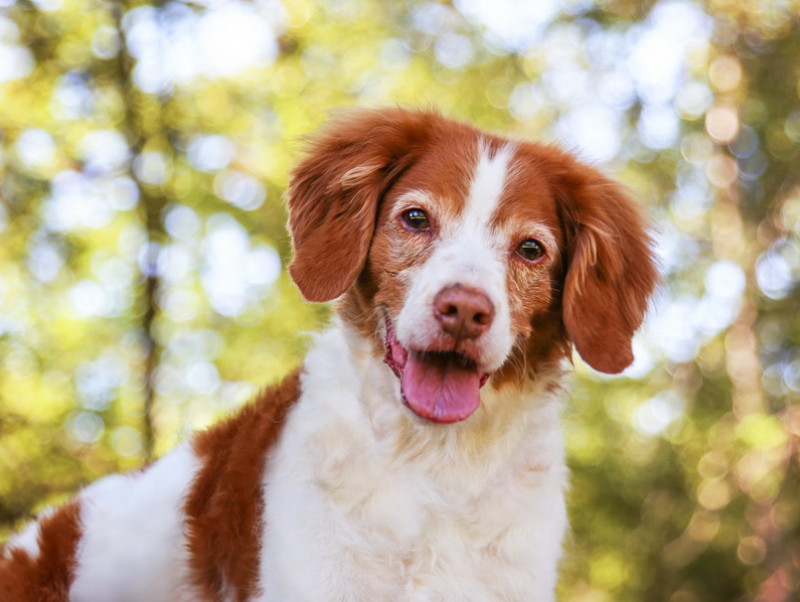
point(416, 219)
point(530, 250)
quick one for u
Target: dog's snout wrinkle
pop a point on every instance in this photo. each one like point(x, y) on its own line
point(463, 312)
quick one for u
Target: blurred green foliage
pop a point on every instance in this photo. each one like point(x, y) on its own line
point(144, 150)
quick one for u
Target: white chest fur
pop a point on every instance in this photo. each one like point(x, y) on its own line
point(365, 501)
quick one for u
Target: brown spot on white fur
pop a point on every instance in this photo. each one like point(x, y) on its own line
point(331, 210)
point(46, 576)
point(225, 504)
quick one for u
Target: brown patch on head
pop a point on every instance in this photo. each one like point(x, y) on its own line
point(435, 178)
point(48, 577)
point(335, 192)
point(225, 505)
point(595, 289)
point(528, 212)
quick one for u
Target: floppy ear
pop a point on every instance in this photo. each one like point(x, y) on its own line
point(611, 271)
point(335, 191)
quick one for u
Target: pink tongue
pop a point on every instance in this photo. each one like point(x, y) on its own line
point(439, 389)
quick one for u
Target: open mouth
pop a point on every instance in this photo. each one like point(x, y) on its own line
point(441, 386)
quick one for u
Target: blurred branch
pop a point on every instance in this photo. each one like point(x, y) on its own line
point(151, 205)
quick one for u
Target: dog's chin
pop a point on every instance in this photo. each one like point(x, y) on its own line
point(440, 386)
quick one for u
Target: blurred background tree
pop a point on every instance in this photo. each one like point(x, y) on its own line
point(144, 150)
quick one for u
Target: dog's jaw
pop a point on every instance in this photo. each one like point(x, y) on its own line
point(440, 386)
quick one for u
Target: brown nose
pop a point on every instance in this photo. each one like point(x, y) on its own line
point(462, 312)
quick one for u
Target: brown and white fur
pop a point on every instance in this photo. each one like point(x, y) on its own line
point(417, 453)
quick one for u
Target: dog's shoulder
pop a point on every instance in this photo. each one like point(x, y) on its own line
point(223, 508)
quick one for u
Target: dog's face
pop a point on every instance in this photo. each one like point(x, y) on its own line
point(472, 256)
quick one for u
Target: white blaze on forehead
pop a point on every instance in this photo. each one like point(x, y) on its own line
point(488, 181)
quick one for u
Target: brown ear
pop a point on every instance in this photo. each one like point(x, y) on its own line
point(335, 191)
point(611, 270)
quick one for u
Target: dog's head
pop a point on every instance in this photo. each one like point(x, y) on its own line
point(469, 255)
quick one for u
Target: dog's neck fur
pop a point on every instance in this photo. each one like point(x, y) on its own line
point(499, 434)
point(392, 492)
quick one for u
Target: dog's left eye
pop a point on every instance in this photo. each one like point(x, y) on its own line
point(416, 219)
point(531, 250)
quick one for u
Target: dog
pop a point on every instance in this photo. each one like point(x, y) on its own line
point(417, 454)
